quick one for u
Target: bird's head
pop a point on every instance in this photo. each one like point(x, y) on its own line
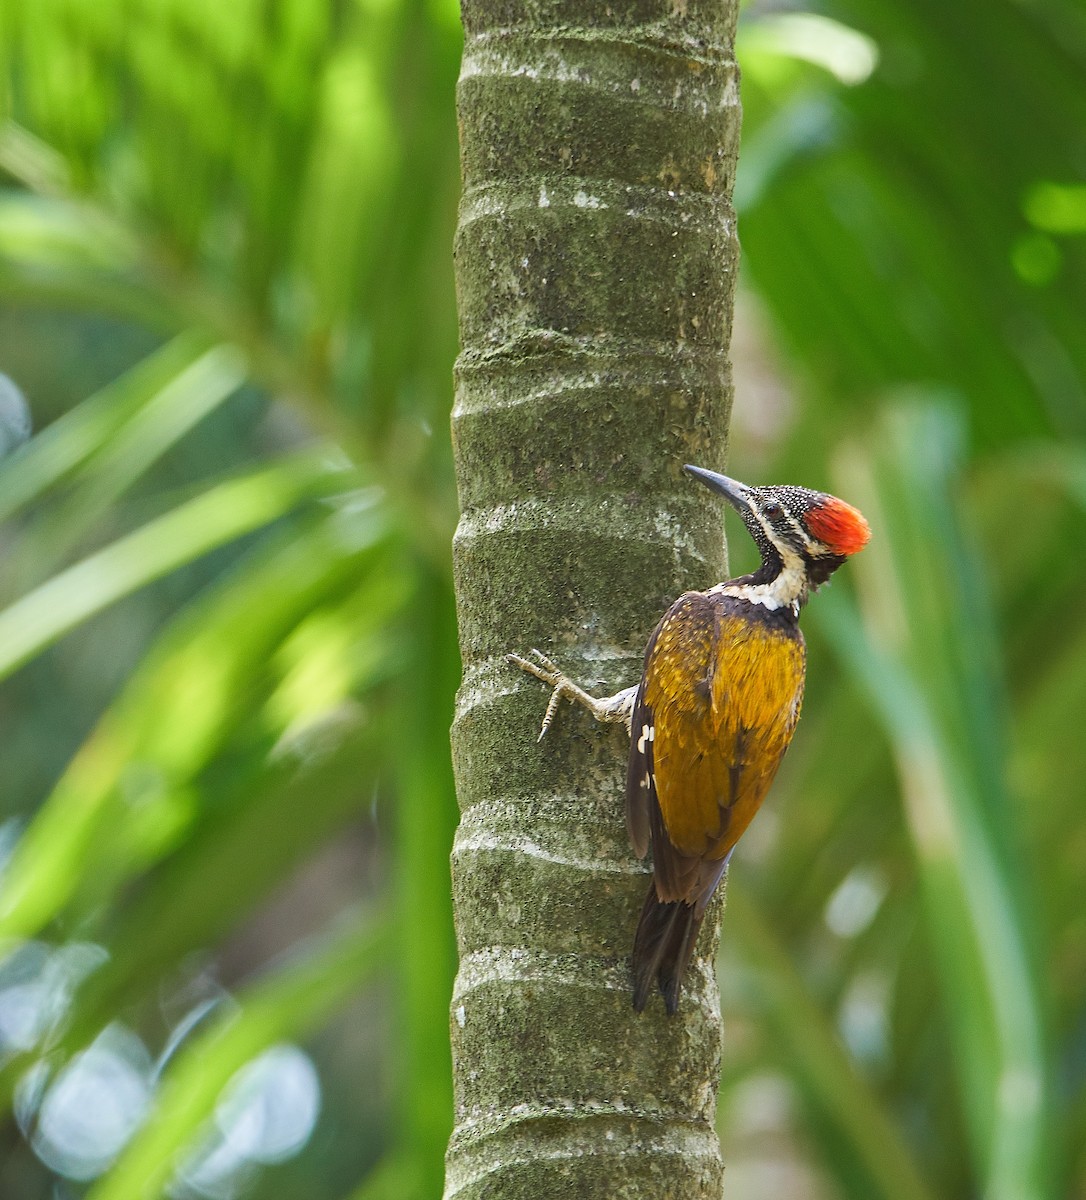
point(802, 535)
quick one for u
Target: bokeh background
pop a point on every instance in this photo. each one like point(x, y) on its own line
point(227, 643)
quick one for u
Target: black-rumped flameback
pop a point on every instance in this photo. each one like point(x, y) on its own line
point(714, 712)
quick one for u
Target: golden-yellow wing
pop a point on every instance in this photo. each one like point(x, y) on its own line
point(717, 706)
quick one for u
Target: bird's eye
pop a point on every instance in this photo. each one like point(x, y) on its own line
point(773, 511)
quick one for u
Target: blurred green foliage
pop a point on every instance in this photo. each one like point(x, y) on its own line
point(227, 645)
point(227, 649)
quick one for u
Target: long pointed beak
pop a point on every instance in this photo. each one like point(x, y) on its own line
point(736, 493)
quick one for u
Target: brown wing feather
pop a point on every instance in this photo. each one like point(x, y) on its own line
point(715, 712)
point(685, 635)
point(640, 796)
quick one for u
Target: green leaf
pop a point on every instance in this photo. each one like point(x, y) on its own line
point(926, 657)
point(425, 822)
point(75, 438)
point(231, 860)
point(165, 416)
point(131, 793)
point(218, 516)
point(288, 1004)
point(816, 1058)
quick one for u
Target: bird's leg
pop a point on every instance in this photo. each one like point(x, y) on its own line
point(612, 709)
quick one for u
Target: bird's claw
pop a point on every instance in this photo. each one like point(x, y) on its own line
point(618, 707)
point(542, 668)
point(546, 671)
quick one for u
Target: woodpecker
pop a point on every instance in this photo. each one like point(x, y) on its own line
point(715, 711)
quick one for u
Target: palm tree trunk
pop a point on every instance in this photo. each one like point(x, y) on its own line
point(596, 258)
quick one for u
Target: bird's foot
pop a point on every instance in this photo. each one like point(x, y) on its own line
point(618, 707)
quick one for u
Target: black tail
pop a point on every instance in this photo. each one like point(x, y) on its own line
point(662, 946)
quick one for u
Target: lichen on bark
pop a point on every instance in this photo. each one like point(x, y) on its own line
point(596, 258)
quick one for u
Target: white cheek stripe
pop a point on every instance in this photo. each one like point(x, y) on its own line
point(790, 587)
point(770, 532)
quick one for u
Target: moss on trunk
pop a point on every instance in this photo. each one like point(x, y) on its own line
point(596, 259)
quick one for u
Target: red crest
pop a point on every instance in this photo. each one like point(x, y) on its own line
point(839, 525)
